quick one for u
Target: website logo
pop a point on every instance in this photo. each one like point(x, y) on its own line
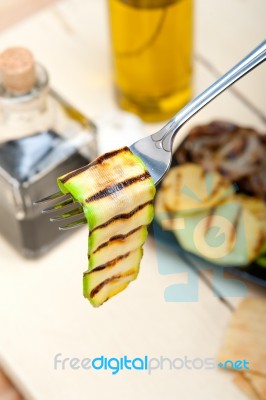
point(144, 363)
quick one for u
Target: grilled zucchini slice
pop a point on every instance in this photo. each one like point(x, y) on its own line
point(116, 192)
point(188, 189)
point(208, 219)
point(222, 234)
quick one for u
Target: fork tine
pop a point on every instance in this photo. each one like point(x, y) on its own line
point(54, 196)
point(73, 225)
point(59, 206)
point(73, 213)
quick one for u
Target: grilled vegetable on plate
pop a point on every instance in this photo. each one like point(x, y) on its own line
point(213, 198)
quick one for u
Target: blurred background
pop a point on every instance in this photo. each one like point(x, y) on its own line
point(12, 11)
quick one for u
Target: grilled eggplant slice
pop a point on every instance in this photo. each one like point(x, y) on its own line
point(116, 192)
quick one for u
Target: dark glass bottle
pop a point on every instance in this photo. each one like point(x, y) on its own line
point(41, 138)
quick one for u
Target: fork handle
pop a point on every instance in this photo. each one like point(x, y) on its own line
point(167, 134)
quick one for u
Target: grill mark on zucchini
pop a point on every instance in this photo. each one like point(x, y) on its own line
point(103, 283)
point(235, 224)
point(108, 264)
point(117, 237)
point(117, 187)
point(122, 216)
point(178, 190)
point(98, 160)
point(260, 242)
point(216, 188)
point(209, 219)
point(108, 280)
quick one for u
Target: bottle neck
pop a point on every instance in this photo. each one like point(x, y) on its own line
point(25, 114)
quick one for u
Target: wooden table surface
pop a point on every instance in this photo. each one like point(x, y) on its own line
point(42, 311)
point(12, 12)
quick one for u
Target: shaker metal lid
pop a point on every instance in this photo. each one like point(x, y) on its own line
point(17, 70)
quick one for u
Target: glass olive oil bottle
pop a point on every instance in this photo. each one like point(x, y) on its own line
point(152, 52)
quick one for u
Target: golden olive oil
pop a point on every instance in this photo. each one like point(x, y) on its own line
point(152, 48)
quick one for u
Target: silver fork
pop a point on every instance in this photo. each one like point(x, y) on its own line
point(156, 150)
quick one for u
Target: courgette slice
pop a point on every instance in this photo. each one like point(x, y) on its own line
point(189, 189)
point(222, 234)
point(229, 233)
point(116, 192)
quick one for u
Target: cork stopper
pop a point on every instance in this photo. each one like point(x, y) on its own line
point(17, 70)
